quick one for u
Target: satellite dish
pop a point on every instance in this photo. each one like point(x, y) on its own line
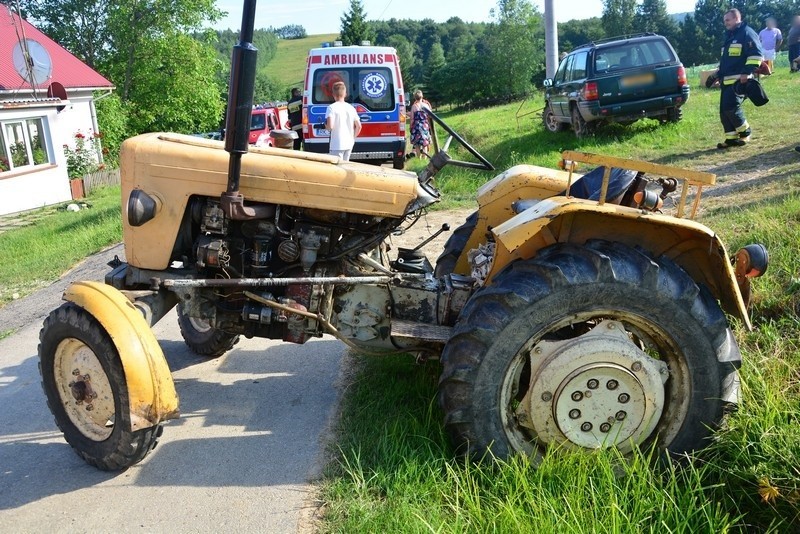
point(32, 62)
point(56, 90)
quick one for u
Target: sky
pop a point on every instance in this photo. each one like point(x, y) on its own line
point(323, 16)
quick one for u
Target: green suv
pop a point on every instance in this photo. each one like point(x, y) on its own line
point(616, 80)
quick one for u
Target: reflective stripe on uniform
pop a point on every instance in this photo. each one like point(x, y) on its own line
point(754, 60)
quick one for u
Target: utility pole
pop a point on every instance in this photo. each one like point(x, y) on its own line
point(550, 38)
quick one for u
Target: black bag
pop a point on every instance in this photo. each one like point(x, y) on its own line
point(752, 90)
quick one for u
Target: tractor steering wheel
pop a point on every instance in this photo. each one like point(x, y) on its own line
point(484, 163)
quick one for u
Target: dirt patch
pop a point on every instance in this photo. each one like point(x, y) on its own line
point(428, 225)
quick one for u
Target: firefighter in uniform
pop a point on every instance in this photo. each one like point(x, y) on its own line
point(295, 109)
point(741, 55)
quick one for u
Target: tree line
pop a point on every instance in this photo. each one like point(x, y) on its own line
point(698, 37)
point(171, 72)
point(458, 63)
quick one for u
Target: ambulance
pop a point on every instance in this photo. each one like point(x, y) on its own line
point(374, 87)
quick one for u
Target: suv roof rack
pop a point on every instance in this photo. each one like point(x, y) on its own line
point(617, 38)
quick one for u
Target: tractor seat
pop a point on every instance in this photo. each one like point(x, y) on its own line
point(588, 186)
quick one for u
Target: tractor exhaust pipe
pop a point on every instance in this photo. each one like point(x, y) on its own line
point(237, 119)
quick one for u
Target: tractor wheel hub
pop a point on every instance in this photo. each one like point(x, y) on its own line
point(594, 391)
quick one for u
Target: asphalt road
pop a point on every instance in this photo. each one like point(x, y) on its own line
point(241, 458)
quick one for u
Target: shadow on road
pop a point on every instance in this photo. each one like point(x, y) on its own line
point(251, 418)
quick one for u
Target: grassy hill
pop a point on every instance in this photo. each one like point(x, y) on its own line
point(289, 65)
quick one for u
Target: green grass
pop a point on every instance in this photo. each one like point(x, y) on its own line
point(55, 241)
point(393, 470)
point(288, 67)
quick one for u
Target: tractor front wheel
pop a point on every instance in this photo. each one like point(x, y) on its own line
point(84, 383)
point(202, 338)
point(587, 347)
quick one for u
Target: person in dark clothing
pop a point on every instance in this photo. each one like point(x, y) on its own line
point(741, 56)
point(793, 41)
point(295, 109)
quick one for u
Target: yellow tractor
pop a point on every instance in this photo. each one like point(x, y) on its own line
point(566, 310)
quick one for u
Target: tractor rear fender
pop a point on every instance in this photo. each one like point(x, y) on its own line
point(151, 391)
point(691, 245)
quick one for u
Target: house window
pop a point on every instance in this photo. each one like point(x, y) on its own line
point(23, 144)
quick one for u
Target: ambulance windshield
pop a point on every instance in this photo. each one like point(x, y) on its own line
point(371, 87)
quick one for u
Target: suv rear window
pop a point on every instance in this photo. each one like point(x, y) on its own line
point(632, 54)
point(370, 86)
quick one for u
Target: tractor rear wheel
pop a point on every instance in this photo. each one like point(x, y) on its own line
point(455, 246)
point(587, 347)
point(202, 338)
point(84, 383)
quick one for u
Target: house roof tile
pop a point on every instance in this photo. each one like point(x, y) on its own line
point(68, 70)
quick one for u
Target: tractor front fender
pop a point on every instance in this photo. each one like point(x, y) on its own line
point(691, 245)
point(151, 391)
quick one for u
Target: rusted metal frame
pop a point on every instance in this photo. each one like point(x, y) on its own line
point(687, 177)
point(604, 187)
point(569, 178)
point(684, 194)
point(329, 327)
point(696, 204)
point(696, 177)
point(278, 282)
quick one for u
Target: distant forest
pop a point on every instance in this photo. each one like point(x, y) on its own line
point(469, 63)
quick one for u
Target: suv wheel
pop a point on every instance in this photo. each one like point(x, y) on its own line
point(579, 125)
point(551, 122)
point(674, 114)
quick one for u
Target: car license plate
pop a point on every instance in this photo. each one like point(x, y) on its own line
point(322, 132)
point(638, 80)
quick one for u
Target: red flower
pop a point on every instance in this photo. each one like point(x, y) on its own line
point(79, 135)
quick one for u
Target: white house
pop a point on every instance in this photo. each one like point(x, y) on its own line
point(35, 127)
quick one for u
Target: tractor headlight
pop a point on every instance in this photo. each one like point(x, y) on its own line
point(751, 261)
point(141, 207)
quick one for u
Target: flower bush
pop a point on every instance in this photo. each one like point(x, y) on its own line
point(82, 159)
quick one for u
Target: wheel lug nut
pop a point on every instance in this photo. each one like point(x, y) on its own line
point(586, 427)
point(574, 414)
point(636, 367)
point(89, 407)
point(621, 415)
point(76, 372)
point(605, 427)
point(537, 350)
point(612, 384)
point(623, 398)
point(86, 377)
point(577, 395)
point(547, 396)
point(592, 384)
